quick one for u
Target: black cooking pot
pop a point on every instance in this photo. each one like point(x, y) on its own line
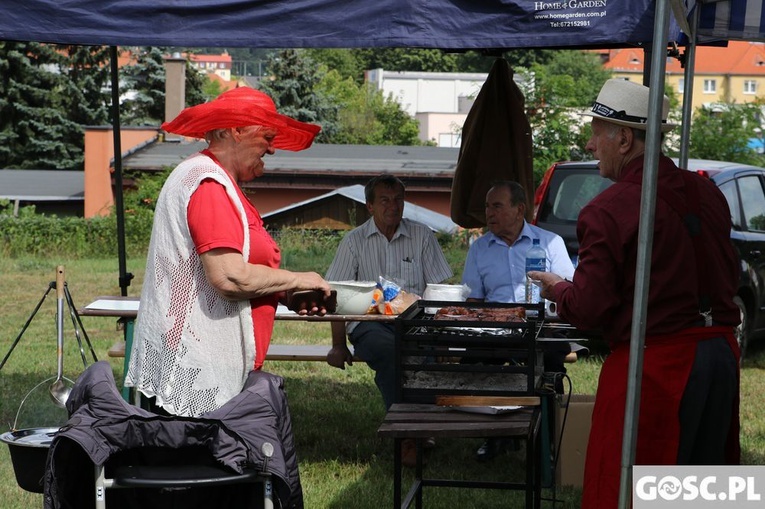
point(29, 452)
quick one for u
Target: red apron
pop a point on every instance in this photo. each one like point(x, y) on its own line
point(667, 363)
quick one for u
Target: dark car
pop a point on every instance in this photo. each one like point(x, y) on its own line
point(569, 186)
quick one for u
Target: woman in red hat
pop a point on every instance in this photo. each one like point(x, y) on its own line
point(212, 276)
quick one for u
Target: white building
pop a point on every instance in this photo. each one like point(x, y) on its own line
point(440, 101)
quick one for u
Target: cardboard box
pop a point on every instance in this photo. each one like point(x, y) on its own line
point(573, 447)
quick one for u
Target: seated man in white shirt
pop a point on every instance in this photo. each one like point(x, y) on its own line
point(400, 250)
point(495, 268)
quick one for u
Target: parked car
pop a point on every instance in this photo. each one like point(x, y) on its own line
point(569, 186)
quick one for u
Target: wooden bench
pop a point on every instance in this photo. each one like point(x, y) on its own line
point(275, 352)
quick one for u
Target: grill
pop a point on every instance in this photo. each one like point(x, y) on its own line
point(442, 357)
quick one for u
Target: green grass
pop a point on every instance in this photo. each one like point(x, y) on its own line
point(335, 412)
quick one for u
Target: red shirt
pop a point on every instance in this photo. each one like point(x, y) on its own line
point(215, 222)
point(601, 295)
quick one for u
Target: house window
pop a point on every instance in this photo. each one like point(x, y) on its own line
point(681, 85)
point(710, 86)
point(750, 86)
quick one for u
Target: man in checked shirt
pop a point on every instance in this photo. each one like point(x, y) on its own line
point(400, 250)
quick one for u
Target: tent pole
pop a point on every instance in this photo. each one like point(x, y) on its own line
point(690, 65)
point(124, 277)
point(647, 57)
point(645, 243)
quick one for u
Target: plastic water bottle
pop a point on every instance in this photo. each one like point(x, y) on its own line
point(536, 259)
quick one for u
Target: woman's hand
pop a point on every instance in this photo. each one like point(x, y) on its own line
point(235, 279)
point(311, 281)
point(317, 295)
point(311, 302)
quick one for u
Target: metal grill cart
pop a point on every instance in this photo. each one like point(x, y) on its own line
point(445, 363)
point(436, 357)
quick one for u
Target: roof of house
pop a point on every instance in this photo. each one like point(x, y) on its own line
point(737, 58)
point(42, 185)
point(225, 85)
point(434, 220)
point(320, 158)
point(224, 57)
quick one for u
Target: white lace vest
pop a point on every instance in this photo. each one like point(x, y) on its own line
point(192, 349)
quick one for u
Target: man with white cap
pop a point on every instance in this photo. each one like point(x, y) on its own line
point(689, 396)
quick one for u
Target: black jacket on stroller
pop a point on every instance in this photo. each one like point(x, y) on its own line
point(103, 429)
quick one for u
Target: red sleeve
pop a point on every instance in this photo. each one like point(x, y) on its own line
point(214, 221)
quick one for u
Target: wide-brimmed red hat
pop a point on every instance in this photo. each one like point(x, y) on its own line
point(243, 107)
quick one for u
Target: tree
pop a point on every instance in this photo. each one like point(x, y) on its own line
point(211, 89)
point(35, 131)
point(582, 73)
point(355, 117)
point(556, 127)
point(199, 88)
point(556, 92)
point(348, 112)
point(398, 128)
point(89, 102)
point(291, 81)
point(143, 88)
point(345, 62)
point(407, 59)
point(364, 116)
point(722, 133)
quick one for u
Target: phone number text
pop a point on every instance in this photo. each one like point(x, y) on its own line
point(564, 24)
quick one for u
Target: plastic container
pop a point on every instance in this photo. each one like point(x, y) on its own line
point(536, 259)
point(353, 297)
point(451, 293)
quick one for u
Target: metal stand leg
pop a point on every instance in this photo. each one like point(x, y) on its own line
point(129, 394)
point(29, 320)
point(78, 327)
point(76, 322)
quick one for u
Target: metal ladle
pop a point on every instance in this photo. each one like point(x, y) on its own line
point(59, 390)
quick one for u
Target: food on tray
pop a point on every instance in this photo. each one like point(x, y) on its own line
point(516, 314)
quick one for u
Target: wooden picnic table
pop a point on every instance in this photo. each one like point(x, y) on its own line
point(126, 309)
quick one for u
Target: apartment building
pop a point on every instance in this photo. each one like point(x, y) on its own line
point(734, 73)
point(213, 64)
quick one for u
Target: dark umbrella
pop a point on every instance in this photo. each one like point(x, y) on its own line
point(496, 145)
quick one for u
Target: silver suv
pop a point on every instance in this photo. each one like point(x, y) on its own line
point(569, 186)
